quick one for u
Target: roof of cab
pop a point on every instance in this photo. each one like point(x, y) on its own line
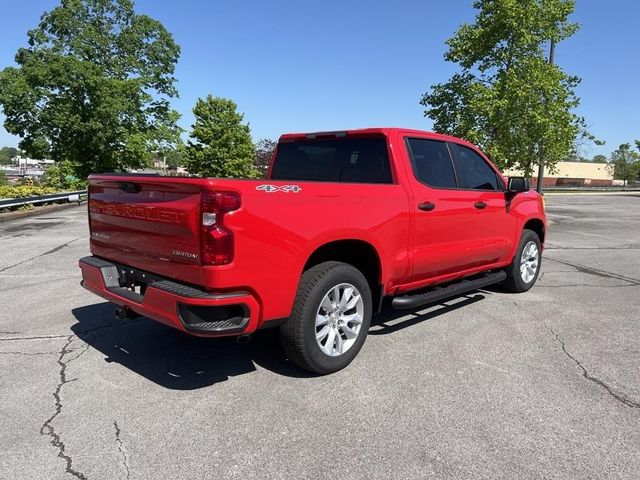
point(367, 131)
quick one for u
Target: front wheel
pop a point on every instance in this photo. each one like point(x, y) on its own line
point(330, 319)
point(523, 272)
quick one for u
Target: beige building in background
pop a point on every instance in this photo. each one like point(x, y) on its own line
point(574, 174)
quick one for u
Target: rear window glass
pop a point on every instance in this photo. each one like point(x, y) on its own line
point(350, 160)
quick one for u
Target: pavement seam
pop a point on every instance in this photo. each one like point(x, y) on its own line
point(126, 323)
point(585, 285)
point(80, 335)
point(591, 248)
point(35, 337)
point(47, 427)
point(597, 272)
point(591, 378)
point(121, 449)
point(29, 353)
point(53, 250)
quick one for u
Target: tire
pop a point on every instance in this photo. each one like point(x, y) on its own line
point(521, 279)
point(310, 319)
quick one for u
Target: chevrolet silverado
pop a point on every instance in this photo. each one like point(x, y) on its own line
point(342, 221)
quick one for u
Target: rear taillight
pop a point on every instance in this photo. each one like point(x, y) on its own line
point(216, 242)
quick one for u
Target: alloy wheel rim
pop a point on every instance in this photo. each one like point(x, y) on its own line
point(339, 319)
point(529, 261)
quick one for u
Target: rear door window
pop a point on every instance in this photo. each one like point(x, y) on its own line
point(431, 162)
point(349, 160)
point(473, 171)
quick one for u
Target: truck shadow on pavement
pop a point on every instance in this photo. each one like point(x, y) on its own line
point(173, 359)
point(177, 361)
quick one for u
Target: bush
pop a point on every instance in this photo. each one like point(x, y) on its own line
point(28, 181)
point(23, 191)
point(61, 176)
point(3, 178)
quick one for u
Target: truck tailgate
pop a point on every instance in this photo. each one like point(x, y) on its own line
point(149, 222)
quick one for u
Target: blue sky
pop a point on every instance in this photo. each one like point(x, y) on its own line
point(308, 66)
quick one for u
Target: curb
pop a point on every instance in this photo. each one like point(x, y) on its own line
point(7, 216)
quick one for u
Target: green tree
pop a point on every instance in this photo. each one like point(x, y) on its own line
point(3, 178)
point(7, 154)
point(172, 155)
point(175, 156)
point(61, 176)
point(220, 144)
point(574, 156)
point(167, 139)
point(5, 158)
point(93, 86)
point(625, 163)
point(264, 152)
point(600, 159)
point(508, 98)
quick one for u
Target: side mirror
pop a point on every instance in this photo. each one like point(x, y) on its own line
point(518, 184)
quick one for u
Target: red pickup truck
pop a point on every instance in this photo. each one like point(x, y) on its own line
point(343, 220)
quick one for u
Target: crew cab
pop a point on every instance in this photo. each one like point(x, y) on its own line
point(342, 221)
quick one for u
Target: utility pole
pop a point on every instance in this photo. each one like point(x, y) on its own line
point(552, 49)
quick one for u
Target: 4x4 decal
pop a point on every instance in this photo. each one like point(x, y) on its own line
point(281, 188)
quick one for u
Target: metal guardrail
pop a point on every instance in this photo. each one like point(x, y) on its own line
point(620, 188)
point(79, 195)
point(70, 197)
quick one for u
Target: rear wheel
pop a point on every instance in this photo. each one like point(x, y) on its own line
point(330, 319)
point(523, 272)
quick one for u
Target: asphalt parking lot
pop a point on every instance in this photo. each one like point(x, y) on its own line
point(490, 385)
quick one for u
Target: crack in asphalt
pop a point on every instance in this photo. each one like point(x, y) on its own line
point(49, 252)
point(63, 361)
point(591, 378)
point(86, 347)
point(597, 272)
point(47, 427)
point(121, 449)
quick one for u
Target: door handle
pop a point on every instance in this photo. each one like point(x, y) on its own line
point(480, 205)
point(427, 206)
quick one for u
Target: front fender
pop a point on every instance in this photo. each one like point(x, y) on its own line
point(528, 207)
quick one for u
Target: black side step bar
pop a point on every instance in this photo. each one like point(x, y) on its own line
point(440, 293)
